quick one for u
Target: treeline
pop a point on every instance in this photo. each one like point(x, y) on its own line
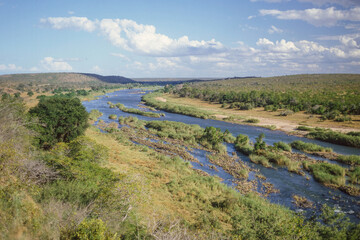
point(327, 103)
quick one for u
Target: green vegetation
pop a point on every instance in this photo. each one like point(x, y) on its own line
point(309, 147)
point(150, 99)
point(349, 159)
point(283, 146)
point(243, 145)
point(328, 95)
point(112, 116)
point(328, 174)
point(66, 192)
point(213, 138)
point(354, 175)
point(94, 115)
point(135, 111)
point(252, 120)
point(351, 139)
point(260, 160)
point(304, 128)
point(176, 130)
point(61, 119)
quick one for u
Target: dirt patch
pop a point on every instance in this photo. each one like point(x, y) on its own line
point(161, 99)
point(219, 116)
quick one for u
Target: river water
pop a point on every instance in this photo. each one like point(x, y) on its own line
point(288, 183)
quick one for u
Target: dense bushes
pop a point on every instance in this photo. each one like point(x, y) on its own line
point(61, 119)
point(268, 94)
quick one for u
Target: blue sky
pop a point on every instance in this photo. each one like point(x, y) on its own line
point(185, 38)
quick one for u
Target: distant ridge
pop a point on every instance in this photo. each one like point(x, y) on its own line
point(110, 79)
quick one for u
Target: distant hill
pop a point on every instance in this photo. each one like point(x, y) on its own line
point(83, 79)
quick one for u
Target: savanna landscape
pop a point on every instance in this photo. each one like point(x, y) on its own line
point(176, 120)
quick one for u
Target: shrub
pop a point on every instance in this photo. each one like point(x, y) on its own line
point(212, 138)
point(61, 119)
point(91, 229)
point(283, 146)
point(304, 128)
point(309, 147)
point(260, 144)
point(252, 120)
point(228, 137)
point(286, 113)
point(112, 116)
point(242, 144)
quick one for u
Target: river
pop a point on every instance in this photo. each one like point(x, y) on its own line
point(288, 183)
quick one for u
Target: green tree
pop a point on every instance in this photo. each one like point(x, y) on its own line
point(260, 144)
point(61, 119)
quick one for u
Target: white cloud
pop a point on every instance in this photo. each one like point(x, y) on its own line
point(315, 16)
point(139, 38)
point(51, 64)
point(80, 23)
point(9, 67)
point(71, 12)
point(181, 56)
point(274, 29)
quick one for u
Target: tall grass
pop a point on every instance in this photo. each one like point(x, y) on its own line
point(309, 147)
point(150, 99)
point(328, 173)
point(352, 140)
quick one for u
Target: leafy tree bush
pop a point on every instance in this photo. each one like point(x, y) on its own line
point(260, 144)
point(213, 138)
point(61, 119)
point(242, 144)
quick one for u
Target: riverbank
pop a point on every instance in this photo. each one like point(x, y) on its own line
point(272, 120)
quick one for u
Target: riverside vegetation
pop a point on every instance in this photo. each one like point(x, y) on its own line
point(70, 190)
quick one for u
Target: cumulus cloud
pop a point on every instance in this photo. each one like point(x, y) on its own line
point(274, 29)
point(139, 38)
point(315, 16)
point(9, 67)
point(80, 23)
point(51, 64)
point(171, 57)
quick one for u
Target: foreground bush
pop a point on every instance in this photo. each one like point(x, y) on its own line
point(61, 119)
